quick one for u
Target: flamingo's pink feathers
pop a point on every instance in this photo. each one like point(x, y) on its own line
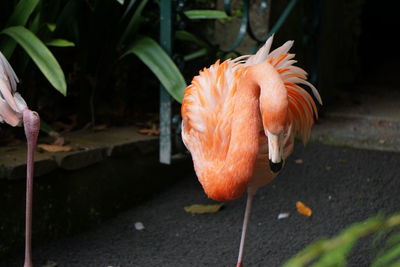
point(11, 102)
point(223, 117)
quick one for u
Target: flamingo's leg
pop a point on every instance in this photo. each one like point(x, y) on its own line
point(32, 126)
point(249, 203)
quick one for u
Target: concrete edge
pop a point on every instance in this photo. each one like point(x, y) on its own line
point(88, 148)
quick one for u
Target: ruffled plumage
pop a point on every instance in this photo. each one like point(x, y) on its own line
point(11, 102)
point(224, 120)
point(302, 107)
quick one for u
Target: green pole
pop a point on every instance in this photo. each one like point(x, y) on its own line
point(165, 99)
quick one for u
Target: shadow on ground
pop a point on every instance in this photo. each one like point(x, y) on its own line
point(341, 185)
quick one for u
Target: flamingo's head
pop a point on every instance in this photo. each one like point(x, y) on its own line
point(275, 151)
point(275, 127)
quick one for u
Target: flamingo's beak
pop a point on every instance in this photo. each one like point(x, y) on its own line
point(275, 151)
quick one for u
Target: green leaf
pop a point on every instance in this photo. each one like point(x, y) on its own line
point(68, 20)
point(196, 54)
point(35, 24)
point(150, 52)
point(206, 14)
point(336, 256)
point(20, 16)
point(389, 256)
point(128, 8)
point(133, 24)
point(51, 26)
point(22, 12)
point(189, 37)
point(333, 252)
point(40, 54)
point(307, 254)
point(121, 1)
point(60, 43)
point(391, 251)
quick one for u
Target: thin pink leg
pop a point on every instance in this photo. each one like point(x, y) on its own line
point(249, 203)
point(32, 126)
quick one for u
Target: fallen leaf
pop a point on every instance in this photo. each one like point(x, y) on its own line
point(154, 130)
point(381, 123)
point(54, 134)
point(139, 226)
point(328, 168)
point(54, 148)
point(299, 161)
point(200, 209)
point(283, 215)
point(50, 263)
point(100, 127)
point(303, 209)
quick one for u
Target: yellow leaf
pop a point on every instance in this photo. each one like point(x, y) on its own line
point(303, 209)
point(54, 148)
point(200, 209)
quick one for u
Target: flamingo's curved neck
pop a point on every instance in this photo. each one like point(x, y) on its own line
point(273, 96)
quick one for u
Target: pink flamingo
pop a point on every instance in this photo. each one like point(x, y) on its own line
point(242, 113)
point(14, 111)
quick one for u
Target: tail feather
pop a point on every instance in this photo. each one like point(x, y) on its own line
point(262, 53)
point(281, 50)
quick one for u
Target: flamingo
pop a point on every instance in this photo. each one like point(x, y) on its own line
point(14, 111)
point(241, 113)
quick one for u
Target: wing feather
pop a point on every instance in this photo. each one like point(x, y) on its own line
point(207, 109)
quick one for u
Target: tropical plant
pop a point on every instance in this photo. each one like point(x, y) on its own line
point(26, 26)
point(103, 35)
point(106, 33)
point(333, 252)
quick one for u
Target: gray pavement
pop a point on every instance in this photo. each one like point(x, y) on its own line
point(341, 185)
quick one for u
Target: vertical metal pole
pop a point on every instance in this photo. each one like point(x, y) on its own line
point(165, 99)
point(316, 26)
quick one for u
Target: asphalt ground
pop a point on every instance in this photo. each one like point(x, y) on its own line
point(341, 185)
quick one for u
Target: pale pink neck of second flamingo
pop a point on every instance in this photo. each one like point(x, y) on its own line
point(32, 126)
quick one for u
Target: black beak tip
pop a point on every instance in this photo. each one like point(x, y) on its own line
point(275, 167)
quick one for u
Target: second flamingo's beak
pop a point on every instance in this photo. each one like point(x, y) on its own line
point(275, 151)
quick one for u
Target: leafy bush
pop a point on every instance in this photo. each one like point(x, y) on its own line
point(24, 26)
point(334, 251)
point(102, 75)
